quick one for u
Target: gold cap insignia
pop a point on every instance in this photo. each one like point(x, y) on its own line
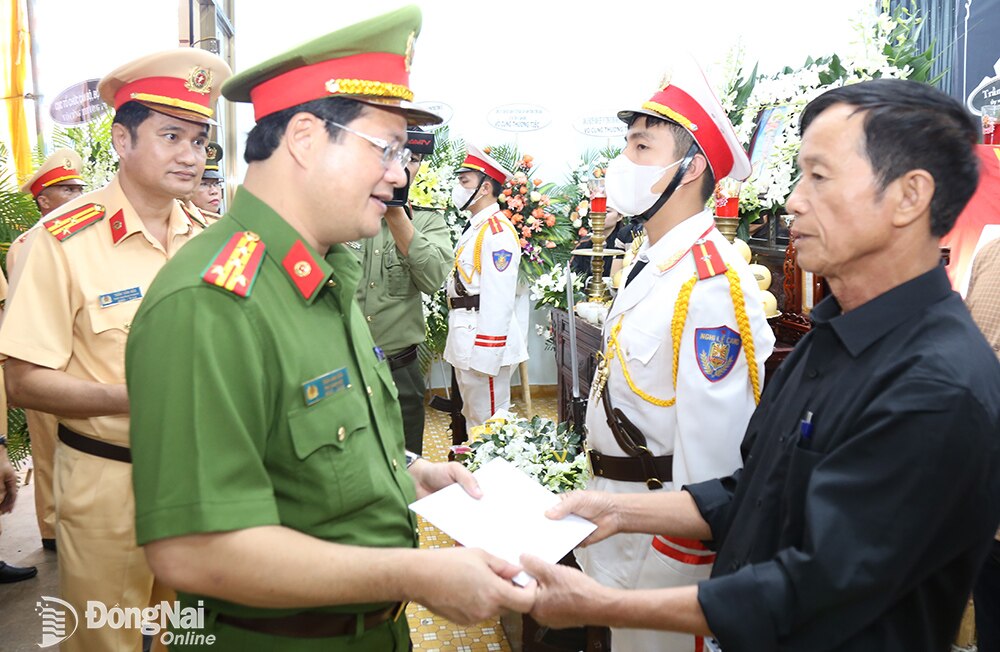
point(408, 55)
point(199, 80)
point(211, 152)
point(68, 164)
point(302, 269)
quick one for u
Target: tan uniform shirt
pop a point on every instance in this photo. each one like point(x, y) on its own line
point(75, 298)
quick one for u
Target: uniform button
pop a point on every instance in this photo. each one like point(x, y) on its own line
point(376, 252)
point(331, 283)
point(368, 388)
point(734, 566)
point(372, 284)
point(341, 433)
point(812, 373)
point(369, 318)
point(395, 465)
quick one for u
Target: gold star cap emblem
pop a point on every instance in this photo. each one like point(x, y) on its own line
point(199, 80)
point(302, 269)
point(68, 164)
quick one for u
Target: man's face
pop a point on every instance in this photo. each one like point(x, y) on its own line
point(208, 195)
point(349, 185)
point(414, 165)
point(841, 221)
point(655, 146)
point(167, 156)
point(55, 196)
point(469, 180)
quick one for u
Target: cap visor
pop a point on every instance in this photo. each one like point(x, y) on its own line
point(174, 112)
point(212, 174)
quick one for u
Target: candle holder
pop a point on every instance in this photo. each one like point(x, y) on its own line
point(727, 207)
point(596, 288)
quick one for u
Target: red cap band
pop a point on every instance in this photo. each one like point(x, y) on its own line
point(55, 175)
point(350, 76)
point(674, 104)
point(484, 167)
point(168, 91)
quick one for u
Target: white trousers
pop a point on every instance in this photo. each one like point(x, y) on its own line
point(483, 395)
point(642, 561)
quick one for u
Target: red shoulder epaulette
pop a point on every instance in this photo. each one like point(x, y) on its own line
point(70, 223)
point(236, 266)
point(707, 259)
point(495, 225)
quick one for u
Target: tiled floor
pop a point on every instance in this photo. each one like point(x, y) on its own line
point(430, 632)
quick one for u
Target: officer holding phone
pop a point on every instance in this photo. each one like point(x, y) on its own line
point(409, 256)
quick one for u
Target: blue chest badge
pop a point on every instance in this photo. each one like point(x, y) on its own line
point(717, 349)
point(121, 296)
point(315, 390)
point(501, 259)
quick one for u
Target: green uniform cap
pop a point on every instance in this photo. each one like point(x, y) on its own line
point(213, 157)
point(368, 62)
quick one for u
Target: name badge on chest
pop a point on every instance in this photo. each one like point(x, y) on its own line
point(119, 296)
point(315, 390)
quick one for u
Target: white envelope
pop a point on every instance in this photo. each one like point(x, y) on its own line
point(508, 520)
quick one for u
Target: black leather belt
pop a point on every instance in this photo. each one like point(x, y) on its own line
point(469, 303)
point(634, 469)
point(403, 358)
point(92, 446)
point(314, 625)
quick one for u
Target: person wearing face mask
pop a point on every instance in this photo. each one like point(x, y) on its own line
point(684, 342)
point(411, 254)
point(484, 337)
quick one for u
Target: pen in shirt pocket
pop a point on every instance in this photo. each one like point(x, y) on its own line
point(806, 427)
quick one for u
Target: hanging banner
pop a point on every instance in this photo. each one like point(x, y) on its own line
point(601, 126)
point(438, 108)
point(78, 104)
point(519, 117)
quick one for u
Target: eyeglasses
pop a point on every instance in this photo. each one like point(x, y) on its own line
point(214, 183)
point(390, 151)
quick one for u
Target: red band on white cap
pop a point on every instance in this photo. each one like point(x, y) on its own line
point(345, 76)
point(486, 168)
point(674, 104)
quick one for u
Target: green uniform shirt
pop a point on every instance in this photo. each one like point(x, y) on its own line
point(228, 432)
point(389, 293)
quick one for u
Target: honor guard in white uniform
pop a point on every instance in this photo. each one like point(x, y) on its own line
point(484, 337)
point(684, 342)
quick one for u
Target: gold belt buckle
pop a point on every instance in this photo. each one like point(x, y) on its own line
point(590, 462)
point(400, 610)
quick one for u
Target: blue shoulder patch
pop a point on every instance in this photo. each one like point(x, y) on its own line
point(501, 259)
point(717, 349)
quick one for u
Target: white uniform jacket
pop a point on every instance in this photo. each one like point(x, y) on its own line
point(714, 397)
point(489, 338)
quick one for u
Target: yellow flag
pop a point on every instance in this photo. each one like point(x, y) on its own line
point(15, 47)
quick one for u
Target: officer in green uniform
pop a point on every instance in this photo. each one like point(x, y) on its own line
point(410, 255)
point(270, 475)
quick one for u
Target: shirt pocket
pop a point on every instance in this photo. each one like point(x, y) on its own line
point(334, 442)
point(397, 275)
point(801, 464)
point(641, 346)
point(110, 326)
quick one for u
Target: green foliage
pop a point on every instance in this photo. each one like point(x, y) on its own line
point(92, 141)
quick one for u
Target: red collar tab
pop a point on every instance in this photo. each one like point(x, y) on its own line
point(303, 270)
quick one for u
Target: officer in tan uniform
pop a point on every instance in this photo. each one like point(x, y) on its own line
point(207, 196)
point(86, 269)
point(56, 182)
point(485, 339)
point(8, 479)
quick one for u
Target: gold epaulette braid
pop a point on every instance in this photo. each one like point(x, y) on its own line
point(477, 252)
point(677, 332)
point(749, 350)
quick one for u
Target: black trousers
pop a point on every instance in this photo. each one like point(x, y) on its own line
point(987, 598)
point(410, 383)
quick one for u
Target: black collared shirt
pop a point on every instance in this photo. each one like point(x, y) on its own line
point(863, 530)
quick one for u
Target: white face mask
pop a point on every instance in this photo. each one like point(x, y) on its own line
point(460, 195)
point(629, 185)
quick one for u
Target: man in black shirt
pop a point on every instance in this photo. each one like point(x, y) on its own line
point(868, 497)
